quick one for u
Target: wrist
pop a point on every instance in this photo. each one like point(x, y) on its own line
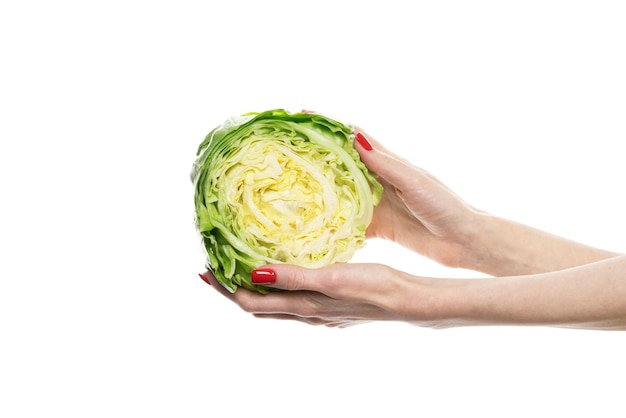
point(443, 302)
point(501, 247)
point(473, 243)
point(489, 301)
point(489, 245)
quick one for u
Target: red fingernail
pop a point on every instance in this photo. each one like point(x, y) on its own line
point(263, 276)
point(206, 279)
point(363, 141)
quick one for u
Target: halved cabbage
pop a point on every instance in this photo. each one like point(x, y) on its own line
point(279, 187)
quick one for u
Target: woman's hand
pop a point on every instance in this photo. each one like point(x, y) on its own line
point(592, 296)
point(419, 212)
point(342, 295)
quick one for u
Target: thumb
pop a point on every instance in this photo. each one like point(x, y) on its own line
point(347, 281)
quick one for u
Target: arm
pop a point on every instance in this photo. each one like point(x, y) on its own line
point(502, 247)
point(592, 296)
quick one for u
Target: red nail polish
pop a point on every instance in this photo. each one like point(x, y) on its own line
point(263, 276)
point(363, 141)
point(205, 279)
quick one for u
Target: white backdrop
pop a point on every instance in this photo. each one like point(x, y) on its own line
point(517, 106)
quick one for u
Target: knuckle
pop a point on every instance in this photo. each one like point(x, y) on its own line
point(297, 279)
point(334, 279)
point(247, 303)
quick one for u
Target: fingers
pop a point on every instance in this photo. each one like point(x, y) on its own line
point(274, 303)
point(310, 307)
point(353, 282)
point(396, 170)
point(331, 323)
point(210, 279)
point(348, 281)
point(292, 277)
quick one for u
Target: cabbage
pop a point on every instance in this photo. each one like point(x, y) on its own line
point(279, 187)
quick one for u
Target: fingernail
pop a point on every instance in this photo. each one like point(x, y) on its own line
point(206, 279)
point(263, 276)
point(363, 141)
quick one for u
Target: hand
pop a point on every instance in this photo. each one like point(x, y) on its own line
point(417, 211)
point(342, 295)
point(422, 214)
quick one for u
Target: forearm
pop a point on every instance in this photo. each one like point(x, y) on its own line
point(592, 296)
point(502, 247)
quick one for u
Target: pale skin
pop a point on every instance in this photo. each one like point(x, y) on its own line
point(538, 278)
